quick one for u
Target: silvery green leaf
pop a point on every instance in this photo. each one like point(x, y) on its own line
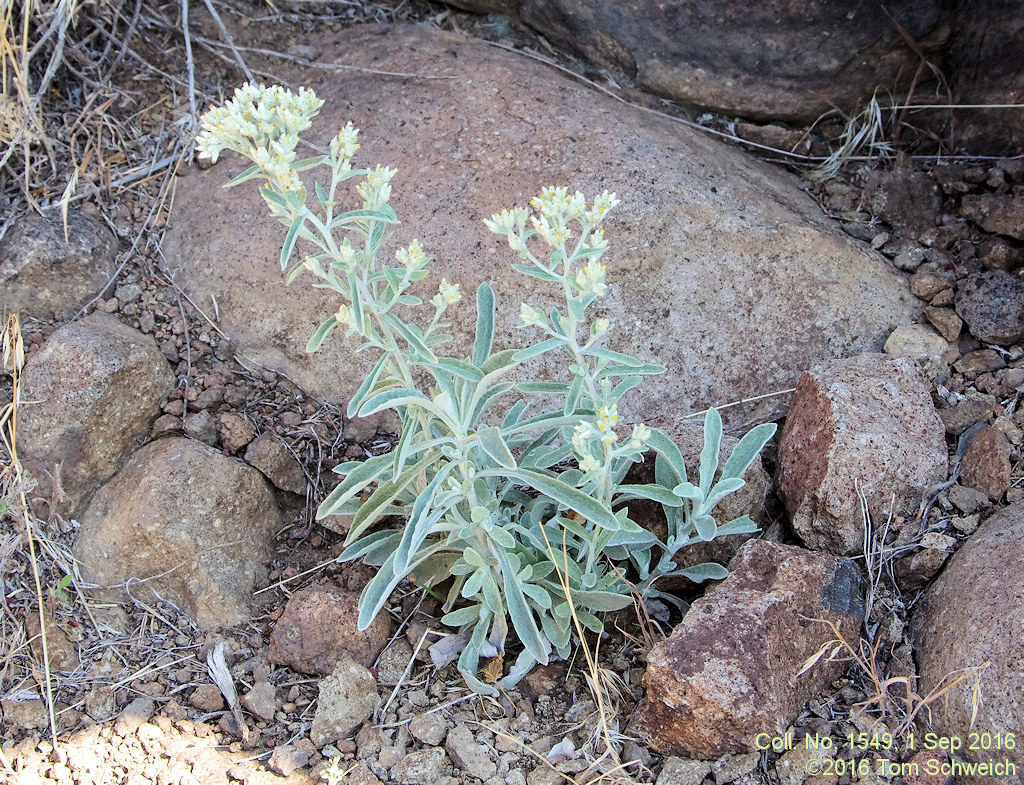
point(635, 539)
point(712, 444)
point(321, 333)
point(565, 494)
point(472, 557)
point(377, 592)
point(742, 525)
point(515, 414)
point(355, 303)
point(371, 543)
point(688, 490)
point(487, 399)
point(495, 447)
point(386, 493)
point(391, 399)
point(272, 197)
point(532, 351)
point(537, 272)
point(474, 583)
point(625, 386)
point(656, 493)
point(590, 621)
point(668, 452)
point(290, 239)
point(748, 448)
point(492, 595)
point(559, 636)
point(307, 163)
point(519, 612)
point(537, 594)
point(321, 194)
point(644, 369)
point(613, 356)
point(484, 339)
point(499, 361)
point(358, 478)
point(544, 458)
point(462, 616)
point(408, 299)
point(421, 521)
point(469, 662)
point(720, 490)
point(401, 451)
point(707, 527)
point(523, 665)
point(460, 368)
point(413, 337)
point(708, 571)
point(356, 216)
point(502, 537)
point(249, 174)
point(556, 388)
point(601, 601)
point(573, 397)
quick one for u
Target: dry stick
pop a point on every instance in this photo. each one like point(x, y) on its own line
point(189, 63)
point(228, 39)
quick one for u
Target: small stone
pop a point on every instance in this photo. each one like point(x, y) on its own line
point(430, 729)
point(974, 408)
point(967, 500)
point(986, 463)
point(731, 767)
point(468, 754)
point(393, 661)
point(979, 361)
point(966, 524)
point(201, 426)
point(992, 305)
point(286, 759)
point(425, 767)
point(997, 213)
point(26, 714)
point(347, 697)
point(945, 321)
point(922, 344)
point(683, 771)
point(261, 701)
point(100, 704)
point(235, 433)
point(908, 261)
point(147, 322)
point(133, 715)
point(207, 399)
point(930, 279)
point(127, 294)
point(207, 698)
point(277, 463)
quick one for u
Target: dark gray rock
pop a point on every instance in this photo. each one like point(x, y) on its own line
point(992, 305)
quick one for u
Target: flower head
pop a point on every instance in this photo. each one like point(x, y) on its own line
point(412, 257)
point(447, 294)
point(344, 145)
point(530, 316)
point(590, 279)
point(607, 417)
point(376, 187)
point(262, 123)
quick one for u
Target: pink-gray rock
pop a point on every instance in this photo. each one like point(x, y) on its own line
point(747, 58)
point(261, 701)
point(88, 398)
point(986, 463)
point(277, 463)
point(714, 257)
point(319, 628)
point(235, 433)
point(469, 754)
point(43, 276)
point(286, 759)
point(863, 425)
point(921, 343)
point(729, 670)
point(422, 767)
point(347, 697)
point(905, 199)
point(992, 305)
point(184, 521)
point(973, 613)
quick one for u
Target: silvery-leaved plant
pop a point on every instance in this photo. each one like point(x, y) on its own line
point(520, 516)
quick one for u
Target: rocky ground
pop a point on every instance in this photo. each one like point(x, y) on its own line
point(138, 699)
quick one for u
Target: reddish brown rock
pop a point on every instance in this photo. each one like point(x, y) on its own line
point(996, 213)
point(972, 614)
point(88, 398)
point(186, 523)
point(235, 433)
point(986, 463)
point(729, 671)
point(863, 425)
point(268, 454)
point(319, 628)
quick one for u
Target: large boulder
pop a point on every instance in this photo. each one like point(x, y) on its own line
point(183, 522)
point(45, 274)
point(88, 397)
point(771, 61)
point(973, 614)
point(859, 427)
point(729, 671)
point(720, 268)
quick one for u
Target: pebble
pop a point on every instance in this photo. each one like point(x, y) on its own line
point(207, 698)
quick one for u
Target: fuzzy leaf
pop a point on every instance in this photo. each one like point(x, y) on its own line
point(321, 333)
point(712, 443)
point(495, 447)
point(484, 324)
point(568, 496)
point(748, 448)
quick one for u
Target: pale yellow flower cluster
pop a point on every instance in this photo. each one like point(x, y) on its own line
point(263, 124)
point(376, 187)
point(413, 257)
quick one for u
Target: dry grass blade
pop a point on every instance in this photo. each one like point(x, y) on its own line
point(864, 132)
